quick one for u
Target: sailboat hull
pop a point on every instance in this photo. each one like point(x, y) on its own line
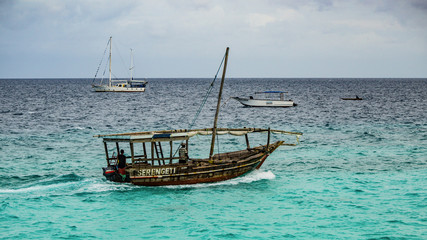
point(105, 88)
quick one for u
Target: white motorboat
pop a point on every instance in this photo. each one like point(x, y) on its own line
point(120, 85)
point(267, 101)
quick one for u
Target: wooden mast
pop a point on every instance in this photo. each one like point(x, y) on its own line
point(218, 105)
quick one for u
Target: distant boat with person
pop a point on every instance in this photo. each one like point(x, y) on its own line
point(268, 100)
point(119, 85)
point(354, 99)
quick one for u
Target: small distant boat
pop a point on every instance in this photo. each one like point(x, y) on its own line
point(354, 99)
point(267, 101)
point(153, 161)
point(120, 85)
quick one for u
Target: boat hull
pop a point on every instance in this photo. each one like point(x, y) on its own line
point(197, 170)
point(105, 88)
point(195, 176)
point(264, 102)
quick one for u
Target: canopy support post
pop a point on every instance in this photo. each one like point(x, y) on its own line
point(268, 139)
point(106, 153)
point(171, 152)
point(118, 149)
point(131, 152)
point(152, 153)
point(161, 153)
point(145, 150)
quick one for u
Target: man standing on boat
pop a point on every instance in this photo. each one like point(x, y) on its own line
point(183, 156)
point(121, 165)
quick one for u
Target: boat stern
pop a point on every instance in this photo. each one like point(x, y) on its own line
point(113, 175)
point(109, 172)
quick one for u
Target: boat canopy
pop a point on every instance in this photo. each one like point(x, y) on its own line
point(183, 134)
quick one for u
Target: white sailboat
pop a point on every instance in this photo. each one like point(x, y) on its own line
point(120, 85)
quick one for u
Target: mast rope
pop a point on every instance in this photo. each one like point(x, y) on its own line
point(226, 102)
point(204, 100)
point(122, 60)
point(105, 70)
point(206, 96)
point(106, 47)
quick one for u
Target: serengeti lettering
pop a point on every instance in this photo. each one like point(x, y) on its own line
point(156, 171)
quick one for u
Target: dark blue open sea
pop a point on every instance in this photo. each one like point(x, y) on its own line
point(359, 172)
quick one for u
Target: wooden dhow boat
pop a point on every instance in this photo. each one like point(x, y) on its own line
point(153, 161)
point(154, 158)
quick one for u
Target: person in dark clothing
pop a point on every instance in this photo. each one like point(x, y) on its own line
point(122, 159)
point(121, 165)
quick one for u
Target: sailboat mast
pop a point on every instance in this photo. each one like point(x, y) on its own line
point(131, 64)
point(217, 106)
point(109, 83)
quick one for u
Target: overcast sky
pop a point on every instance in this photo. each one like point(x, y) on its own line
point(187, 38)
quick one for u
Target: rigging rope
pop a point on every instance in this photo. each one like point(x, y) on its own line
point(101, 61)
point(204, 101)
point(105, 70)
point(121, 59)
point(226, 102)
point(207, 95)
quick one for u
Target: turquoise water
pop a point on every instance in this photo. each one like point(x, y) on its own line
point(360, 171)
